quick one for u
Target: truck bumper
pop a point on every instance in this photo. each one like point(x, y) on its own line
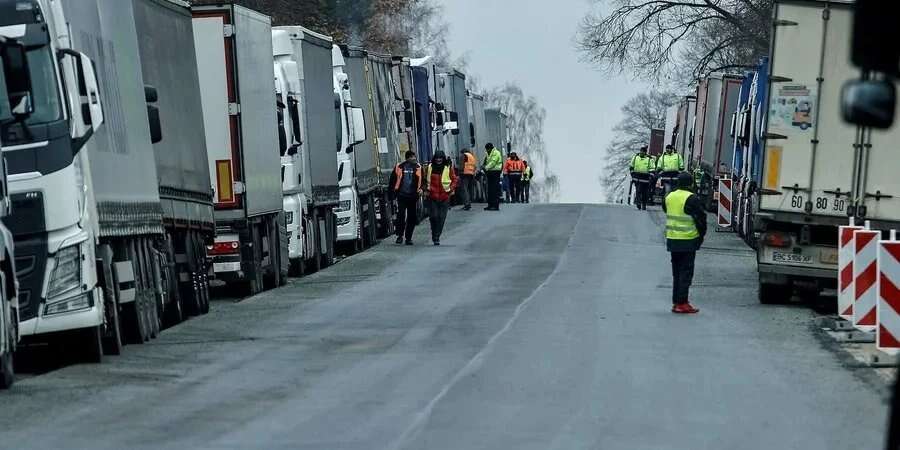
point(228, 268)
point(347, 219)
point(83, 318)
point(796, 271)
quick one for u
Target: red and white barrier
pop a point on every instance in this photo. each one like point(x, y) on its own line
point(845, 270)
point(725, 203)
point(865, 274)
point(887, 339)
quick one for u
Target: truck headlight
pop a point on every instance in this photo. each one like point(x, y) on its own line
point(71, 304)
point(344, 205)
point(66, 275)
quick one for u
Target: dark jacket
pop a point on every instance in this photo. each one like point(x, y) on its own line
point(394, 182)
point(694, 208)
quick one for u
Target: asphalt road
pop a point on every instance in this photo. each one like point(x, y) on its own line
point(539, 327)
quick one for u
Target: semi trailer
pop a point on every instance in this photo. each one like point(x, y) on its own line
point(712, 147)
point(388, 134)
point(233, 48)
point(477, 140)
point(351, 215)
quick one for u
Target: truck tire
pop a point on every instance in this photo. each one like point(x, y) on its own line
point(774, 294)
point(91, 345)
point(134, 321)
point(7, 372)
point(112, 331)
point(296, 269)
point(316, 260)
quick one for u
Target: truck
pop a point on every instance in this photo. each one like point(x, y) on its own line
point(681, 132)
point(450, 89)
point(749, 135)
point(712, 150)
point(319, 137)
point(424, 102)
point(497, 124)
point(816, 170)
point(233, 47)
point(477, 140)
point(15, 99)
point(87, 244)
point(351, 213)
point(169, 69)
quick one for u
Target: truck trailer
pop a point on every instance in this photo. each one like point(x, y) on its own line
point(712, 147)
point(351, 213)
point(816, 170)
point(478, 138)
point(234, 61)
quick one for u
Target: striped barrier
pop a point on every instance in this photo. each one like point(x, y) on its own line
point(845, 270)
point(865, 273)
point(725, 203)
point(887, 339)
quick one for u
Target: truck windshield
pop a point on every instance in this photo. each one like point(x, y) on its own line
point(47, 105)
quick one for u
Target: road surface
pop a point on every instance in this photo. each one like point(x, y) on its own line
point(539, 327)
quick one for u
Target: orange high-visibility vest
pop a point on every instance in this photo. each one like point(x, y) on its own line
point(514, 166)
point(399, 173)
point(469, 165)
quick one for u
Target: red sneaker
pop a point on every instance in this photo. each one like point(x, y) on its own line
point(684, 308)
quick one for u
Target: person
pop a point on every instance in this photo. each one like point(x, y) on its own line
point(492, 166)
point(441, 184)
point(640, 172)
point(685, 231)
point(467, 187)
point(669, 165)
point(527, 175)
point(406, 186)
point(513, 169)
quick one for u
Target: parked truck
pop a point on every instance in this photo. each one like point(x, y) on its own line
point(351, 213)
point(169, 69)
point(497, 124)
point(388, 134)
point(234, 61)
point(15, 105)
point(477, 140)
point(816, 170)
point(712, 148)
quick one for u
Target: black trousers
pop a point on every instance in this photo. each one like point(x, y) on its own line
point(493, 182)
point(526, 191)
point(468, 189)
point(641, 191)
point(682, 275)
point(515, 187)
point(406, 216)
point(437, 214)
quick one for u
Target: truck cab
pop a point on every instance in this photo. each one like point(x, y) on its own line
point(50, 189)
point(350, 123)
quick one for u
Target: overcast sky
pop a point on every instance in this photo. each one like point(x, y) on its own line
point(531, 42)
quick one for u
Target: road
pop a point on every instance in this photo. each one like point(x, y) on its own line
point(539, 327)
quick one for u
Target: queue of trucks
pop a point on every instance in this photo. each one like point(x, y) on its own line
point(798, 170)
point(151, 147)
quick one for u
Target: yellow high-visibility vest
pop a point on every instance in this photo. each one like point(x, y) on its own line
point(446, 182)
point(680, 226)
point(670, 162)
point(641, 164)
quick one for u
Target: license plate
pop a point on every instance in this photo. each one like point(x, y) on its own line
point(829, 256)
point(791, 258)
point(227, 267)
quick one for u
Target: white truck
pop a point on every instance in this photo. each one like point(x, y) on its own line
point(816, 169)
point(15, 105)
point(350, 211)
point(310, 186)
point(234, 62)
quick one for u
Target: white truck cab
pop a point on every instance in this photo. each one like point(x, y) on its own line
point(352, 131)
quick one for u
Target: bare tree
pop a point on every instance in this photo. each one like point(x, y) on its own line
point(641, 114)
point(656, 39)
point(526, 124)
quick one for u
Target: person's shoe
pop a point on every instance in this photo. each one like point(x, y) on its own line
point(467, 208)
point(685, 308)
point(409, 242)
point(399, 240)
point(437, 242)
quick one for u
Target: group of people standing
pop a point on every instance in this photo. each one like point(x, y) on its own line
point(438, 182)
point(646, 169)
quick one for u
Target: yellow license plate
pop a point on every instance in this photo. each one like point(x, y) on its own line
point(829, 256)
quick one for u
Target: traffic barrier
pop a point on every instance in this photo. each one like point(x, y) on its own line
point(865, 273)
point(887, 339)
point(845, 270)
point(725, 203)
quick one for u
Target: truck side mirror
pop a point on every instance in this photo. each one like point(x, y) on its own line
point(358, 128)
point(152, 96)
point(869, 103)
point(84, 97)
point(407, 119)
point(15, 93)
point(439, 119)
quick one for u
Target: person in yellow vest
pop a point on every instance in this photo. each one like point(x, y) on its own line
point(527, 175)
point(685, 231)
point(493, 167)
point(469, 165)
point(441, 185)
point(669, 165)
point(641, 167)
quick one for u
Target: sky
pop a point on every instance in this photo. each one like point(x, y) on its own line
point(531, 42)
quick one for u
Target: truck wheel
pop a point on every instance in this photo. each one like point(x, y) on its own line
point(91, 343)
point(296, 269)
point(112, 332)
point(774, 294)
point(7, 373)
point(317, 241)
point(134, 321)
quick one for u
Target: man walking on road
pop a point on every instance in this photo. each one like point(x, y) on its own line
point(469, 165)
point(406, 186)
point(493, 165)
point(441, 184)
point(527, 175)
point(513, 169)
point(640, 167)
point(669, 165)
point(685, 230)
